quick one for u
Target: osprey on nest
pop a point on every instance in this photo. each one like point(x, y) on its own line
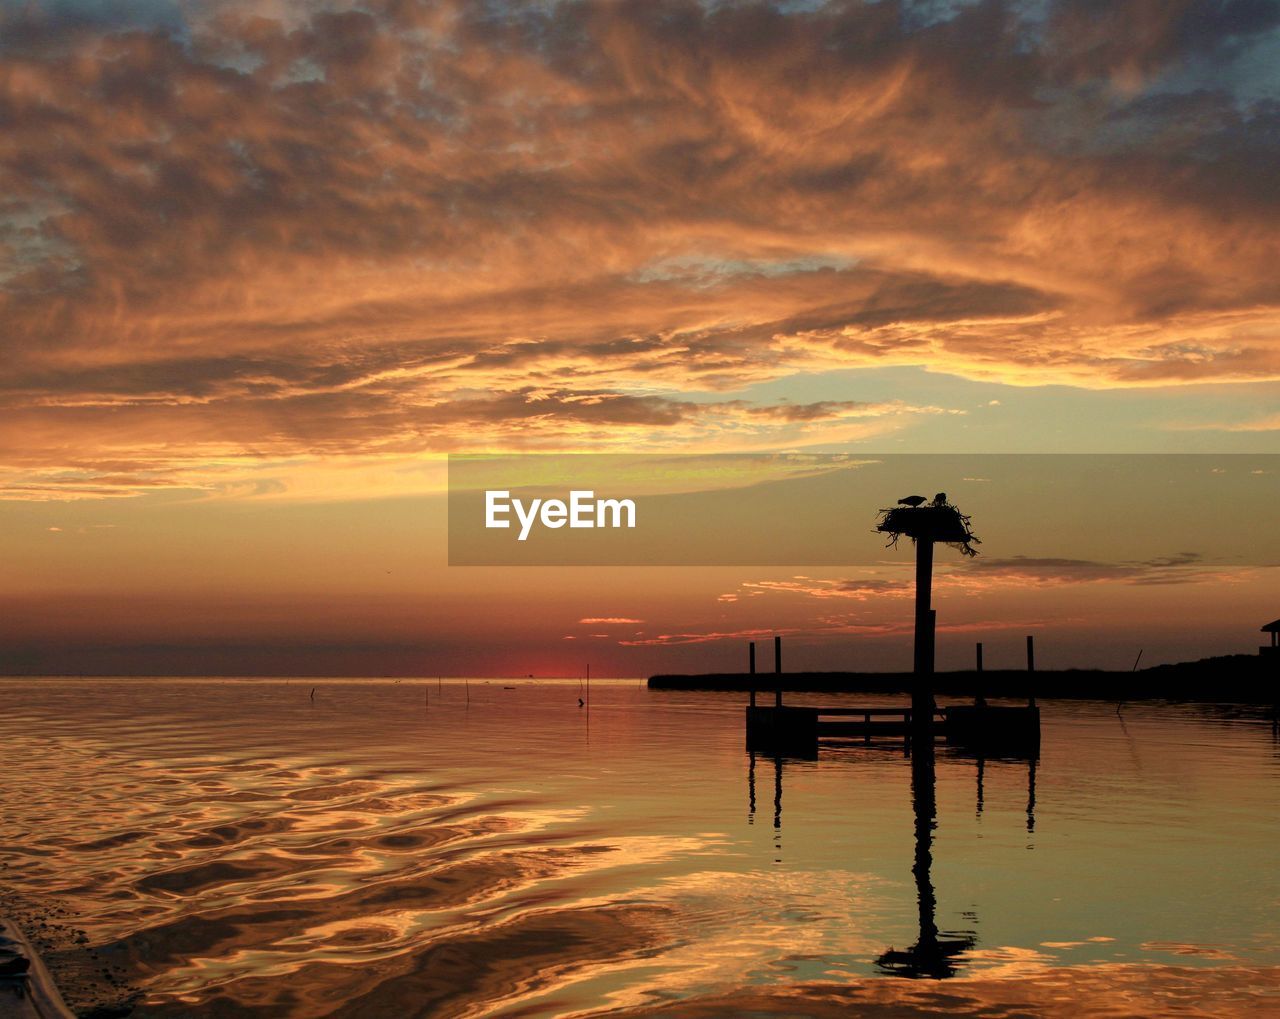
point(912, 501)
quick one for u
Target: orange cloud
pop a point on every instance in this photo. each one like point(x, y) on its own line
point(248, 239)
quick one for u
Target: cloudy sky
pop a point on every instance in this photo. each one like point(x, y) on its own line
point(263, 264)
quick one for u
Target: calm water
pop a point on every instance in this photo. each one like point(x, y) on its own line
point(389, 850)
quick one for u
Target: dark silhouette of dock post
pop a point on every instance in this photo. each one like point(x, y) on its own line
point(751, 666)
point(979, 694)
point(924, 599)
point(926, 623)
point(1031, 667)
point(777, 669)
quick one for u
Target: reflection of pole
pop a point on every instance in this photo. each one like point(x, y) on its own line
point(931, 956)
point(777, 807)
point(924, 803)
point(1031, 795)
point(751, 789)
point(922, 686)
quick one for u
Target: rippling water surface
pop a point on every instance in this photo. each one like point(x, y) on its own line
point(415, 848)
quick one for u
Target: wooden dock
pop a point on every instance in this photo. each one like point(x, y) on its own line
point(866, 724)
point(800, 730)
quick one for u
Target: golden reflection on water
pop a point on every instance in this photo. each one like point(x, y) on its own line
point(238, 847)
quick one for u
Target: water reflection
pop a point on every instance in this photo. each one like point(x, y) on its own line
point(240, 849)
point(933, 954)
point(777, 800)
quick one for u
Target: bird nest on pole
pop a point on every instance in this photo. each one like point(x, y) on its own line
point(936, 521)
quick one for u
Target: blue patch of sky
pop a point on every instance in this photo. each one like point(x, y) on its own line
point(712, 270)
point(112, 14)
point(1248, 70)
point(1034, 419)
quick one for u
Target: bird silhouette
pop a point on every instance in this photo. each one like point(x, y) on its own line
point(912, 500)
point(940, 499)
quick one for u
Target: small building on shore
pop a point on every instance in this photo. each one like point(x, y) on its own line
point(1273, 648)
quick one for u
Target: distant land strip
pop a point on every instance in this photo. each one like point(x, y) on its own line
point(1246, 679)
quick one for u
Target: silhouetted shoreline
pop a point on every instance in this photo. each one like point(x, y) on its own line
point(1249, 679)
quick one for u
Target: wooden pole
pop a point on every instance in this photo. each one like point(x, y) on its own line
point(777, 669)
point(979, 695)
point(1031, 667)
point(922, 685)
point(752, 665)
point(924, 601)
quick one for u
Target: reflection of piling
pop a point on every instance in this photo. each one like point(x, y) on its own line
point(777, 809)
point(1031, 795)
point(932, 956)
point(924, 803)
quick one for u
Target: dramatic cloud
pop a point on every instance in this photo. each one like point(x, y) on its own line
point(855, 589)
point(232, 234)
point(984, 574)
point(1182, 568)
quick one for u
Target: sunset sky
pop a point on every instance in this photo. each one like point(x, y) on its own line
point(264, 265)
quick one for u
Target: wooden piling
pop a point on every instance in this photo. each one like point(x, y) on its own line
point(979, 694)
point(924, 601)
point(922, 682)
point(777, 669)
point(1031, 667)
point(751, 659)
